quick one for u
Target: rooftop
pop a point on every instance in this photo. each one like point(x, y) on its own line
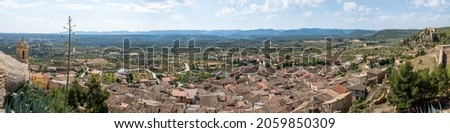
point(360, 87)
point(340, 89)
point(375, 71)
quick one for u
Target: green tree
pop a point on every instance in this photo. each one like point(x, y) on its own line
point(353, 66)
point(159, 76)
point(425, 89)
point(130, 78)
point(96, 98)
point(440, 81)
point(202, 76)
point(58, 97)
point(358, 106)
point(404, 87)
point(76, 95)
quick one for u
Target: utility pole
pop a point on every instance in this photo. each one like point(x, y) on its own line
point(69, 28)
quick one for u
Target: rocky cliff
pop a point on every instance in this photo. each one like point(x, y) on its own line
point(13, 74)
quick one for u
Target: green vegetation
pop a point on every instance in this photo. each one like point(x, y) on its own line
point(428, 38)
point(58, 98)
point(108, 78)
point(96, 98)
point(136, 76)
point(353, 67)
point(190, 77)
point(403, 83)
point(387, 61)
point(409, 89)
point(420, 52)
point(443, 35)
point(393, 33)
point(76, 96)
point(28, 99)
point(130, 78)
point(358, 106)
point(92, 99)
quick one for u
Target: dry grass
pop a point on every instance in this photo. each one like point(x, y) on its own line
point(426, 61)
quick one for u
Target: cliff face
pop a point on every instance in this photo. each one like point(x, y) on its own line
point(13, 74)
point(426, 36)
point(2, 90)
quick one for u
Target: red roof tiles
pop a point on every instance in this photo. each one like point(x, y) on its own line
point(340, 89)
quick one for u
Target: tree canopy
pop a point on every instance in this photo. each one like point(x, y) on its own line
point(409, 88)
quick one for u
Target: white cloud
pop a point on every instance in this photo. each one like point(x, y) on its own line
point(12, 4)
point(234, 2)
point(113, 4)
point(353, 8)
point(431, 3)
point(75, 6)
point(176, 16)
point(340, 1)
point(228, 11)
point(364, 9)
point(269, 17)
point(356, 19)
point(410, 20)
point(239, 7)
point(350, 6)
point(307, 14)
point(385, 18)
point(405, 17)
point(151, 7)
point(36, 20)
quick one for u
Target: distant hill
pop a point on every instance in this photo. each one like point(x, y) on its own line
point(164, 37)
point(303, 33)
point(394, 33)
point(444, 29)
point(363, 33)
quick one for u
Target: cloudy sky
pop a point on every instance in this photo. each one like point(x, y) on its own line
point(49, 16)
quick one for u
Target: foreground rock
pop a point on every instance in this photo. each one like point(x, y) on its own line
point(13, 74)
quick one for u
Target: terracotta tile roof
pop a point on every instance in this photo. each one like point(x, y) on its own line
point(178, 93)
point(340, 89)
point(262, 86)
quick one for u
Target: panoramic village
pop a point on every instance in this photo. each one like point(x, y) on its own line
point(257, 83)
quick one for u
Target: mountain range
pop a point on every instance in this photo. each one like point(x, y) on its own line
point(246, 34)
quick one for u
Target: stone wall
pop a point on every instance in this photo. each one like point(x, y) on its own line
point(443, 54)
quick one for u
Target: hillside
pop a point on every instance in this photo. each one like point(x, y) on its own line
point(444, 29)
point(394, 34)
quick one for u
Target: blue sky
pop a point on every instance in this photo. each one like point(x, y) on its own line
point(49, 16)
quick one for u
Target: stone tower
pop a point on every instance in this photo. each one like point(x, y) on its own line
point(22, 51)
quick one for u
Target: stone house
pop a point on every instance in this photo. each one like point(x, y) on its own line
point(358, 91)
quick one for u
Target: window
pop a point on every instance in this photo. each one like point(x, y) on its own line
point(23, 54)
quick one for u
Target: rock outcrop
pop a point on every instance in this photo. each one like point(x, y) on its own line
point(2, 90)
point(13, 74)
